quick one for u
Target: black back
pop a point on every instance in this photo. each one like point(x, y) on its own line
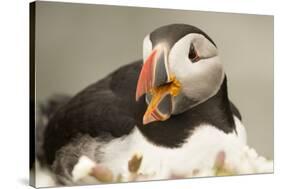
point(105, 107)
point(109, 107)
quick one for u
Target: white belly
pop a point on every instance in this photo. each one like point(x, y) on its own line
point(198, 153)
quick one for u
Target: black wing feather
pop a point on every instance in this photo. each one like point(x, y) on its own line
point(104, 107)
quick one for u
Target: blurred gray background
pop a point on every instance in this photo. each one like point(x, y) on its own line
point(77, 44)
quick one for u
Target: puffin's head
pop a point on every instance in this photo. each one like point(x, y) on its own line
point(181, 69)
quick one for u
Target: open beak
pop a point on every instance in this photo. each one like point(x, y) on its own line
point(155, 81)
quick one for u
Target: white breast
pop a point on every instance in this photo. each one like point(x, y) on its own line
point(197, 154)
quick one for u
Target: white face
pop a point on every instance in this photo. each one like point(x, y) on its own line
point(201, 78)
point(147, 47)
point(197, 68)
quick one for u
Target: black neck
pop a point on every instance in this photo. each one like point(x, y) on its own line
point(216, 111)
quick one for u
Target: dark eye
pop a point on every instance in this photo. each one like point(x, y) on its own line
point(193, 56)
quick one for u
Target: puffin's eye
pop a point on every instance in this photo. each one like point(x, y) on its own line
point(193, 56)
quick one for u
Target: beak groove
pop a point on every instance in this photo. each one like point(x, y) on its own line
point(152, 80)
point(158, 110)
point(145, 81)
point(153, 74)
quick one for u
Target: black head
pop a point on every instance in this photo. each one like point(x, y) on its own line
point(181, 70)
point(174, 32)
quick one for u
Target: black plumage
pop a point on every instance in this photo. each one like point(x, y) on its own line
point(173, 32)
point(109, 107)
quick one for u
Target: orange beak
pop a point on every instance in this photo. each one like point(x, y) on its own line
point(145, 81)
point(155, 81)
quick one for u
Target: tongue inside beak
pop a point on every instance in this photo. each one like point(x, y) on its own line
point(160, 106)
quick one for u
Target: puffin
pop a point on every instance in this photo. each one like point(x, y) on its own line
point(168, 113)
